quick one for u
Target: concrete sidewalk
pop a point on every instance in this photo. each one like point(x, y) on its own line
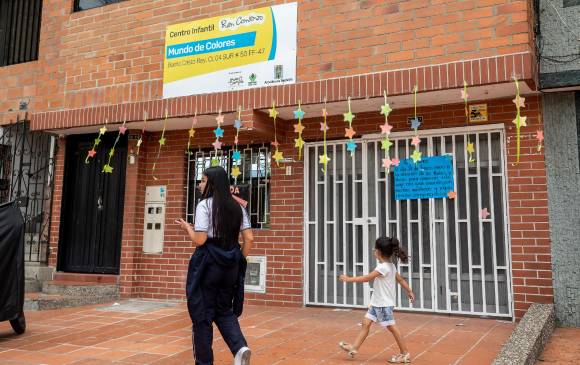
point(140, 332)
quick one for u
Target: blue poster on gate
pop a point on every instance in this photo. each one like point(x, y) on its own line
point(432, 177)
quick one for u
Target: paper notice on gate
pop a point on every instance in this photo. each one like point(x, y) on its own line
point(432, 177)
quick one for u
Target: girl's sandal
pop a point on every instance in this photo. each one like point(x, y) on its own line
point(348, 348)
point(400, 359)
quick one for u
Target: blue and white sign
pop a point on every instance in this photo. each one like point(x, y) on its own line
point(432, 177)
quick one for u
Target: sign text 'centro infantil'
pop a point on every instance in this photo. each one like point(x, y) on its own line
point(253, 48)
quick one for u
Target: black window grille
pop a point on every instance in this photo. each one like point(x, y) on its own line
point(19, 31)
point(254, 179)
point(91, 4)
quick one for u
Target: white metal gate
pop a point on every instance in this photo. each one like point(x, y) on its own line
point(459, 260)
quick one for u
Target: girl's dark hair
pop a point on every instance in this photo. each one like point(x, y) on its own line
point(390, 247)
point(226, 215)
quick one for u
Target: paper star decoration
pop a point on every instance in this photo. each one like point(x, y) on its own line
point(237, 124)
point(103, 130)
point(237, 155)
point(219, 132)
point(235, 172)
point(470, 150)
point(484, 213)
point(348, 116)
point(273, 112)
point(236, 140)
point(323, 159)
point(349, 133)
point(387, 162)
point(386, 129)
point(298, 128)
point(540, 138)
point(451, 195)
point(386, 109)
point(519, 101)
point(522, 121)
point(275, 144)
point(323, 127)
point(396, 161)
point(298, 143)
point(416, 141)
point(278, 156)
point(464, 94)
point(161, 144)
point(415, 123)
point(220, 118)
point(139, 142)
point(122, 129)
point(107, 169)
point(97, 141)
point(217, 144)
point(351, 146)
point(162, 141)
point(386, 144)
point(299, 113)
point(92, 153)
point(416, 156)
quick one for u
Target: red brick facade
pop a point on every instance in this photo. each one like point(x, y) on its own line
point(108, 63)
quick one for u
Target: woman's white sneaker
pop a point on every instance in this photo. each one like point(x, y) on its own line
point(243, 356)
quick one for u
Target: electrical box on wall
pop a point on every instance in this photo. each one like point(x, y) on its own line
point(155, 198)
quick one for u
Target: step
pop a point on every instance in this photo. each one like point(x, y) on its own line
point(41, 301)
point(88, 278)
point(32, 285)
point(79, 288)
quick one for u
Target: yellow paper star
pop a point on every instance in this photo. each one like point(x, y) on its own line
point(191, 133)
point(273, 112)
point(298, 143)
point(103, 130)
point(324, 159)
point(416, 156)
point(470, 148)
point(522, 121)
point(139, 142)
point(235, 172)
point(162, 141)
point(107, 169)
point(278, 156)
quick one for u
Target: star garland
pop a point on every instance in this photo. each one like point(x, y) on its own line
point(520, 120)
point(386, 130)
point(299, 128)
point(108, 169)
point(470, 148)
point(219, 133)
point(540, 134)
point(191, 134)
point(324, 159)
point(236, 155)
point(278, 156)
point(161, 144)
point(92, 152)
point(415, 124)
point(349, 132)
point(140, 140)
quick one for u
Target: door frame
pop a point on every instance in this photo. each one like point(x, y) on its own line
point(80, 138)
point(497, 128)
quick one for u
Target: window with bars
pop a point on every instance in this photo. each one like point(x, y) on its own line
point(19, 31)
point(90, 4)
point(254, 179)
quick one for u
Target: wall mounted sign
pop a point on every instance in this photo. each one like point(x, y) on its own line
point(431, 177)
point(478, 113)
point(249, 49)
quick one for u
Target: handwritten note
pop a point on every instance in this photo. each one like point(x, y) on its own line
point(432, 177)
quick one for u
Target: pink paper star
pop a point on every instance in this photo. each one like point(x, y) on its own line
point(349, 133)
point(194, 122)
point(220, 119)
point(519, 101)
point(323, 127)
point(396, 161)
point(464, 94)
point(122, 130)
point(217, 144)
point(386, 129)
point(92, 153)
point(540, 135)
point(484, 213)
point(236, 140)
point(387, 162)
point(416, 141)
point(275, 144)
point(298, 128)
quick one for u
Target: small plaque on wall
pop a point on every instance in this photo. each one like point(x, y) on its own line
point(256, 274)
point(478, 113)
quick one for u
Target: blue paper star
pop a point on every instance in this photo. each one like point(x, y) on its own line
point(237, 124)
point(219, 132)
point(415, 123)
point(298, 114)
point(236, 155)
point(351, 146)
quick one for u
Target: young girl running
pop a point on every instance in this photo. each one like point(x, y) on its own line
point(387, 250)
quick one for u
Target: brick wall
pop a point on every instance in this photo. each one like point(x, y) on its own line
point(163, 276)
point(114, 54)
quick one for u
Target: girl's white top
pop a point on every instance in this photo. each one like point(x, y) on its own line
point(203, 218)
point(385, 285)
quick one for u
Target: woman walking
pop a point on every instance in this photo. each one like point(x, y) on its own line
point(215, 277)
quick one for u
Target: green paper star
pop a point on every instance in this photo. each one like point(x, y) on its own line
point(162, 141)
point(386, 144)
point(215, 162)
point(273, 112)
point(386, 110)
point(107, 169)
point(416, 156)
point(348, 117)
point(97, 141)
